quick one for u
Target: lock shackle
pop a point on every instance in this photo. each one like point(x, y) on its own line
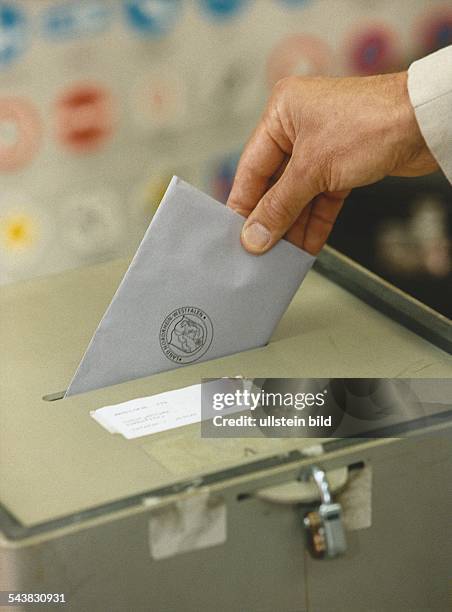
point(315, 473)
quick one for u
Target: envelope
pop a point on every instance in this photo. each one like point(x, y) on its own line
point(191, 293)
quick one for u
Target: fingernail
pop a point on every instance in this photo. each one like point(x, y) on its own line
point(255, 236)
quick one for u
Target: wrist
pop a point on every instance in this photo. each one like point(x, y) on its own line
point(406, 117)
point(407, 127)
point(414, 154)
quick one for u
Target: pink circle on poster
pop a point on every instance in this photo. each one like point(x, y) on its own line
point(373, 49)
point(159, 100)
point(84, 117)
point(434, 30)
point(298, 54)
point(20, 133)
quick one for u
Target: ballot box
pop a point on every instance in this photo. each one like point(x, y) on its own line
point(177, 522)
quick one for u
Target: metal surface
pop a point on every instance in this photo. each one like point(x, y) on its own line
point(298, 492)
point(319, 477)
point(385, 297)
point(104, 564)
point(324, 526)
point(402, 561)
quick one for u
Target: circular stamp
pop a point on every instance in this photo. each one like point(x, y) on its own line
point(92, 222)
point(152, 17)
point(433, 30)
point(372, 49)
point(223, 9)
point(300, 54)
point(186, 334)
point(159, 100)
point(26, 234)
point(13, 33)
point(20, 133)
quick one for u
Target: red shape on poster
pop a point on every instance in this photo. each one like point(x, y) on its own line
point(84, 117)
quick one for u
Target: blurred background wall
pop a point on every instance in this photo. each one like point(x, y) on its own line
point(101, 101)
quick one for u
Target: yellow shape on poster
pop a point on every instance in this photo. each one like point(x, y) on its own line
point(18, 231)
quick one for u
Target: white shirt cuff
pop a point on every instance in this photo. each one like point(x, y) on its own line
point(430, 91)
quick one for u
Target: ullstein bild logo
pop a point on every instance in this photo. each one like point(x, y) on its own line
point(186, 334)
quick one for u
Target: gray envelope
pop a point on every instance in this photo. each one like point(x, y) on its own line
point(191, 293)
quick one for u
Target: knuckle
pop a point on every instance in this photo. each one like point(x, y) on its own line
point(332, 174)
point(324, 164)
point(322, 169)
point(309, 170)
point(331, 163)
point(234, 203)
point(277, 211)
point(313, 245)
point(283, 86)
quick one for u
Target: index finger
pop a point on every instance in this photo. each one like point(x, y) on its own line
point(260, 161)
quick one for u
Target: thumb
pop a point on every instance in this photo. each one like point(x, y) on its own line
point(278, 209)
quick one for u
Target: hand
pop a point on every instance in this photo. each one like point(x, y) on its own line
point(318, 138)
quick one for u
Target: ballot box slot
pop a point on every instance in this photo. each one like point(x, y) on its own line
point(53, 397)
point(358, 465)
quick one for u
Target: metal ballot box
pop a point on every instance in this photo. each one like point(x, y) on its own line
point(81, 509)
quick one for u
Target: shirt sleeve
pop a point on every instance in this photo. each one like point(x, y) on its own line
point(430, 90)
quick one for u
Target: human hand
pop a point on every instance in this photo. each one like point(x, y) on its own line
point(319, 138)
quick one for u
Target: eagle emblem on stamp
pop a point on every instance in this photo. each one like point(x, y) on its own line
point(186, 334)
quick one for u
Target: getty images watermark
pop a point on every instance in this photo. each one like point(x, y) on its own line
point(249, 399)
point(321, 408)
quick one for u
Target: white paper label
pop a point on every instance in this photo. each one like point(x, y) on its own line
point(155, 413)
point(148, 415)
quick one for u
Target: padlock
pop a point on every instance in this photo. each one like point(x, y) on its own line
point(324, 527)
